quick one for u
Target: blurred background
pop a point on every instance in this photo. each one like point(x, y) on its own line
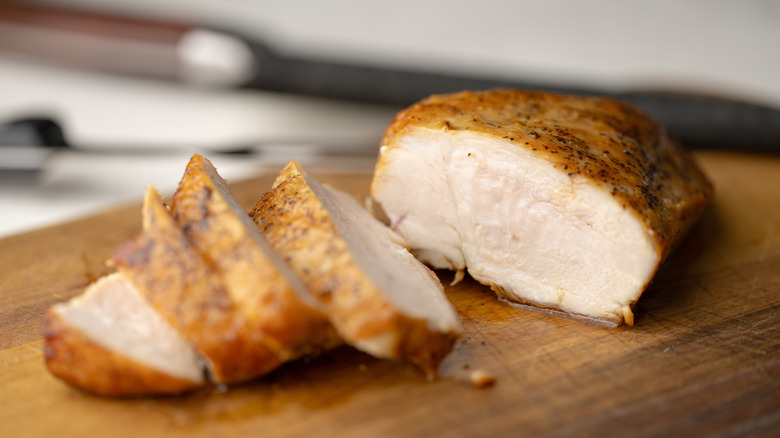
point(127, 124)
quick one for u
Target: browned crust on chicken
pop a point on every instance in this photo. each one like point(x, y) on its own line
point(272, 312)
point(75, 359)
point(300, 228)
point(608, 142)
point(186, 292)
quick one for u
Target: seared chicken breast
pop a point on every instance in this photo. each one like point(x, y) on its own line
point(109, 341)
point(561, 202)
point(198, 287)
point(274, 311)
point(186, 291)
point(377, 295)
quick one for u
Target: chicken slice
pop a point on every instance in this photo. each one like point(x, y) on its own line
point(561, 202)
point(179, 284)
point(108, 341)
point(377, 295)
point(274, 309)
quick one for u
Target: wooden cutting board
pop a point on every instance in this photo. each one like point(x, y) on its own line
point(702, 359)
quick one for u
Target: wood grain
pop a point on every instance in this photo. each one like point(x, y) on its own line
point(703, 358)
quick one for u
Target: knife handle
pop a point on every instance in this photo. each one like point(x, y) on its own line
point(696, 121)
point(712, 123)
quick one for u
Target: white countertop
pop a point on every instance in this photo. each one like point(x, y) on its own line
point(729, 48)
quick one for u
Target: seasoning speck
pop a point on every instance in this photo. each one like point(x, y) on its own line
point(481, 379)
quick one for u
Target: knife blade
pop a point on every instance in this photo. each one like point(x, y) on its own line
point(209, 56)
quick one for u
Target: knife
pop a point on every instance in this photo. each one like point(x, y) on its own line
point(213, 57)
point(26, 144)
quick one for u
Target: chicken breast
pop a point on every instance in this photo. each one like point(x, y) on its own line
point(274, 311)
point(108, 341)
point(377, 295)
point(199, 286)
point(186, 291)
point(561, 202)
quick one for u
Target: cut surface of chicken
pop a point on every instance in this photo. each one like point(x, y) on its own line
point(378, 296)
point(179, 284)
point(109, 341)
point(274, 309)
point(567, 203)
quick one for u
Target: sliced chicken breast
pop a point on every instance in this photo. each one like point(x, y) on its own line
point(274, 311)
point(108, 341)
point(186, 291)
point(561, 202)
point(377, 295)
